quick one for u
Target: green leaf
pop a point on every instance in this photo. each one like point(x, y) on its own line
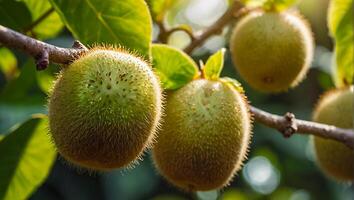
point(174, 67)
point(26, 157)
point(48, 27)
point(233, 83)
point(340, 23)
point(124, 23)
point(14, 14)
point(214, 65)
point(158, 8)
point(8, 63)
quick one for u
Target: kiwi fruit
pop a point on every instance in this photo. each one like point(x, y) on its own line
point(272, 51)
point(334, 158)
point(104, 109)
point(204, 135)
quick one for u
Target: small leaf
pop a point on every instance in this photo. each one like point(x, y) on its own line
point(214, 65)
point(174, 67)
point(8, 64)
point(48, 27)
point(123, 23)
point(14, 14)
point(158, 8)
point(340, 23)
point(26, 157)
point(233, 83)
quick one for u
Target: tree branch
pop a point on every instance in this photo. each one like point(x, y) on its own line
point(287, 124)
point(217, 27)
point(41, 51)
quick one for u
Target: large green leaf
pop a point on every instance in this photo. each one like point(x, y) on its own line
point(14, 14)
point(26, 157)
point(48, 27)
point(125, 23)
point(8, 63)
point(174, 67)
point(340, 23)
point(214, 65)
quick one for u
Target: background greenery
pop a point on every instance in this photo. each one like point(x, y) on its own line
point(277, 168)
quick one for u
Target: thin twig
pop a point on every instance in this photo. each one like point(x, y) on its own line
point(287, 124)
point(217, 27)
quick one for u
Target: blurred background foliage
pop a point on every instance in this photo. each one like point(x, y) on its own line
point(276, 169)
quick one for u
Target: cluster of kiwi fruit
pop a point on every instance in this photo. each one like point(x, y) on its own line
point(105, 108)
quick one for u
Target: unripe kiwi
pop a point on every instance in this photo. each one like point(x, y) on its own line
point(335, 158)
point(104, 109)
point(272, 51)
point(204, 136)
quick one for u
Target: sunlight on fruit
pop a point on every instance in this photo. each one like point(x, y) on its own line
point(261, 175)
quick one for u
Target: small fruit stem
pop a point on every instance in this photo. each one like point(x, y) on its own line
point(201, 69)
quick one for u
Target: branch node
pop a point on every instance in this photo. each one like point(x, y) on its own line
point(42, 60)
point(78, 45)
point(290, 126)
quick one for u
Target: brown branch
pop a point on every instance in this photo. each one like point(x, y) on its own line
point(287, 124)
point(165, 34)
point(217, 27)
point(41, 51)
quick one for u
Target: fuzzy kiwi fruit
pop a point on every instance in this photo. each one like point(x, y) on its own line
point(204, 136)
point(104, 109)
point(335, 108)
point(272, 51)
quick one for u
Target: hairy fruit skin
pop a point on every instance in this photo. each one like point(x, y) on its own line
point(204, 136)
point(336, 159)
point(272, 51)
point(104, 109)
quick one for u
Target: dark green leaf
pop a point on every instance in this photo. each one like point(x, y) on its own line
point(214, 65)
point(14, 14)
point(51, 25)
point(26, 157)
point(340, 23)
point(124, 23)
point(174, 67)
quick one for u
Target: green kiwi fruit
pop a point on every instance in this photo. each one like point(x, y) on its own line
point(104, 109)
point(272, 51)
point(335, 108)
point(204, 135)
